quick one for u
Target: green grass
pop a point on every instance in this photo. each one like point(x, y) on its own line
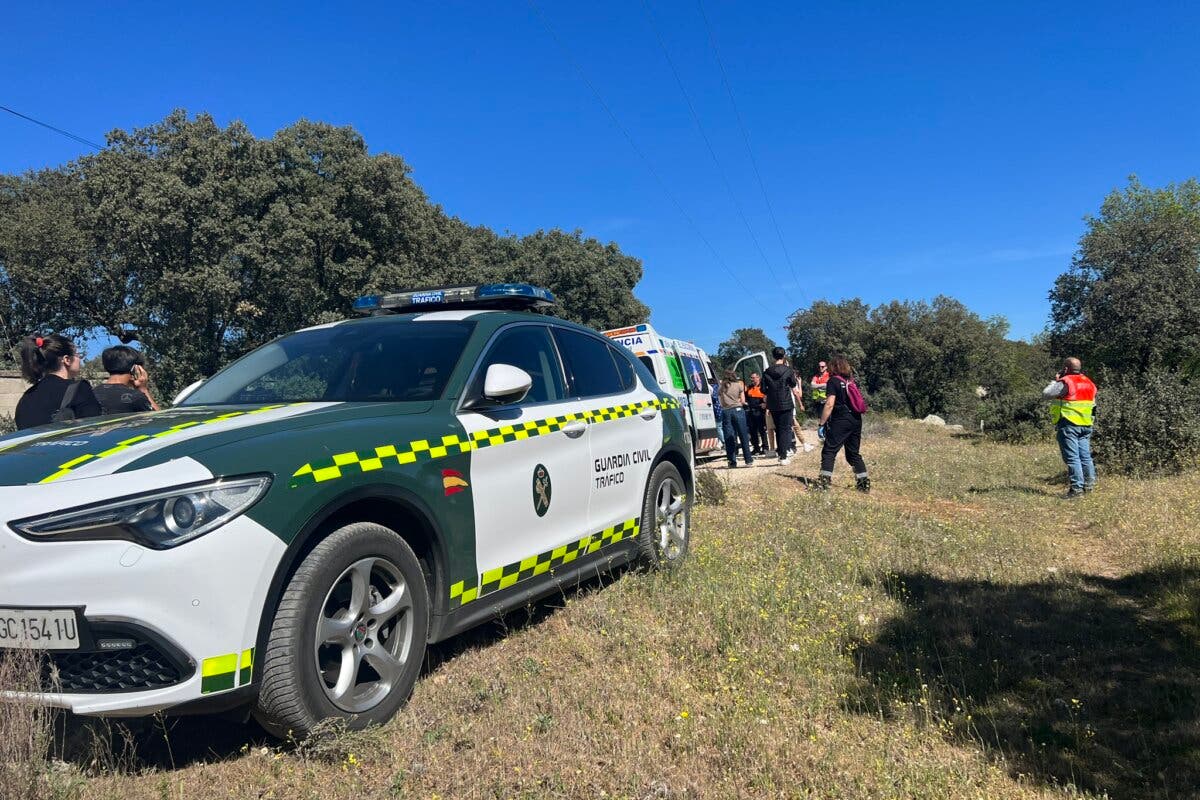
point(961, 632)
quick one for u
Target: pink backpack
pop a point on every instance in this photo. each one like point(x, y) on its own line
point(858, 403)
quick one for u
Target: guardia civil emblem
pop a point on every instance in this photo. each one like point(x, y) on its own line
point(541, 490)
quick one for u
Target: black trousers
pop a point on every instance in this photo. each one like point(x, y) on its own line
point(757, 420)
point(843, 432)
point(783, 431)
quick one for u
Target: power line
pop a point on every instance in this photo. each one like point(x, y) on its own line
point(712, 40)
point(48, 126)
point(645, 160)
point(708, 144)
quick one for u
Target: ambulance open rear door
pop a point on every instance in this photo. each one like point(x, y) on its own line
point(747, 365)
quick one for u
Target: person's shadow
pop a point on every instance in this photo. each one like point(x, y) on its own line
point(1082, 680)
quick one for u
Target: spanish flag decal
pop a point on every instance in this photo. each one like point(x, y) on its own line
point(452, 481)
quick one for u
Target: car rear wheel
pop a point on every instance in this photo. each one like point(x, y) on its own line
point(348, 637)
point(666, 519)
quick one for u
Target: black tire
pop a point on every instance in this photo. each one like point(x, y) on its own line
point(293, 696)
point(650, 550)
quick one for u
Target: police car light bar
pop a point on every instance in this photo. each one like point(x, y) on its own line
point(511, 296)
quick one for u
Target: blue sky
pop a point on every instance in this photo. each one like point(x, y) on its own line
point(907, 149)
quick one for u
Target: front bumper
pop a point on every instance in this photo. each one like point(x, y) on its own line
point(191, 613)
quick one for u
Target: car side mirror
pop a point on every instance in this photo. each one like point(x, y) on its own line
point(505, 384)
point(179, 398)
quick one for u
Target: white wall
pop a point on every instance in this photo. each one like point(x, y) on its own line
point(11, 388)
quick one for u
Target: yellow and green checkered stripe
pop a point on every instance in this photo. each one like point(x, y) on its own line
point(221, 673)
point(499, 578)
point(87, 458)
point(427, 449)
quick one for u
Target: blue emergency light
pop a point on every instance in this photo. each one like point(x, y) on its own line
point(508, 296)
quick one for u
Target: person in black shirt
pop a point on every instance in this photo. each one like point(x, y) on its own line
point(125, 390)
point(51, 363)
point(843, 428)
point(778, 382)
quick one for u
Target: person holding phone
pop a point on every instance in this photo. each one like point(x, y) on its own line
point(125, 390)
point(1072, 397)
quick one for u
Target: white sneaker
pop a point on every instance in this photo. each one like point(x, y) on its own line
point(808, 448)
point(783, 462)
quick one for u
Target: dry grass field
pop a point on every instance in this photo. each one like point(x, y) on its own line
point(960, 633)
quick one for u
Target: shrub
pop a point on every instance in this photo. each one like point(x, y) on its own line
point(874, 425)
point(710, 489)
point(1148, 424)
point(887, 399)
point(7, 424)
point(1016, 418)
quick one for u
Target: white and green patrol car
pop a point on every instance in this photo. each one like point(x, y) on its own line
point(294, 532)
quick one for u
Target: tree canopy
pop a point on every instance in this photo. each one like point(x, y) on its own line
point(915, 356)
point(825, 328)
point(202, 242)
point(743, 342)
point(1129, 300)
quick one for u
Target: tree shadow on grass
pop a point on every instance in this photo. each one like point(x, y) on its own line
point(167, 743)
point(1087, 681)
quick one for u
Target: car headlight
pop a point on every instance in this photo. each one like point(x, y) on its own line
point(158, 520)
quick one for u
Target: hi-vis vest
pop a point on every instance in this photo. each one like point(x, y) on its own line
point(1076, 407)
point(817, 390)
point(756, 393)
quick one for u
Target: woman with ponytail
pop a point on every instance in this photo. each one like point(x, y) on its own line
point(51, 363)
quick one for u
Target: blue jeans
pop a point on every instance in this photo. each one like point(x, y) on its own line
point(735, 428)
point(720, 415)
point(1075, 442)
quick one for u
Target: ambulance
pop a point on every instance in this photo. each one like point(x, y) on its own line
point(682, 369)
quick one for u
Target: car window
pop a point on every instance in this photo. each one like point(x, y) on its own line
point(645, 371)
point(359, 362)
point(589, 364)
point(624, 368)
point(526, 347)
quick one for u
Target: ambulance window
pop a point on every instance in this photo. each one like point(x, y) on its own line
point(648, 362)
point(589, 364)
point(526, 347)
point(624, 368)
point(694, 373)
point(676, 373)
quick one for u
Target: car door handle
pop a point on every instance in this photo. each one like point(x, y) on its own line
point(650, 413)
point(575, 429)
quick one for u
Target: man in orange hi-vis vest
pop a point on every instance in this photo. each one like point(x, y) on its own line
point(816, 392)
point(1073, 402)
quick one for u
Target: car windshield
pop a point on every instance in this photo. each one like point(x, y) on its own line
point(364, 362)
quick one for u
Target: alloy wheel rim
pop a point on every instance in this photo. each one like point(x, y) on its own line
point(671, 520)
point(364, 634)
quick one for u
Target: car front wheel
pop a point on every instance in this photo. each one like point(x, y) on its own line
point(666, 519)
point(348, 637)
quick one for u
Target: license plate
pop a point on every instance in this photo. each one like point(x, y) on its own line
point(39, 629)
